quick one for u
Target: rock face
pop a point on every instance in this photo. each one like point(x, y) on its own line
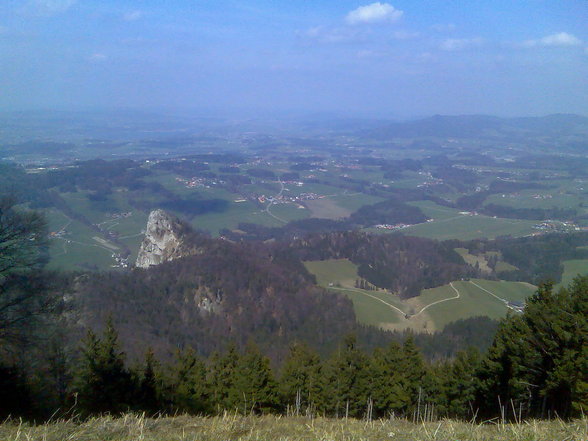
point(163, 240)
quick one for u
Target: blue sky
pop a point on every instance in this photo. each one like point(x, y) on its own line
point(389, 59)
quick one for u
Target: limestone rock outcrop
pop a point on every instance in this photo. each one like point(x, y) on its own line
point(164, 240)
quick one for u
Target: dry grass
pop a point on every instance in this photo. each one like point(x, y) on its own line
point(233, 427)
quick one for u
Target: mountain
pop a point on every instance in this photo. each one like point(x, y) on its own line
point(470, 126)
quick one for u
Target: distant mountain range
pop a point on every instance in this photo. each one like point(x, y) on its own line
point(470, 126)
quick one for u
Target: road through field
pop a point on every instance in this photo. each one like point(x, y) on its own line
point(267, 209)
point(457, 296)
point(373, 297)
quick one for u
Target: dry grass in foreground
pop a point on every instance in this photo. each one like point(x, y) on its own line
point(233, 427)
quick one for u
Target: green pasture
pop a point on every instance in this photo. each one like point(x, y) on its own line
point(336, 271)
point(573, 268)
point(535, 199)
point(339, 275)
point(471, 227)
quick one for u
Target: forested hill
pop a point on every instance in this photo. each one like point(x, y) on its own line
point(404, 265)
point(235, 292)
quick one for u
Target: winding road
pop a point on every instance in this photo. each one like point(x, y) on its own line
point(457, 296)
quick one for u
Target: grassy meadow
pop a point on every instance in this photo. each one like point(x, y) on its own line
point(431, 310)
point(573, 268)
point(272, 428)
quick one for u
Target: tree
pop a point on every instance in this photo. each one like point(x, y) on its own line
point(103, 382)
point(387, 384)
point(23, 288)
point(190, 392)
point(344, 389)
point(254, 387)
point(300, 378)
point(148, 393)
point(222, 378)
point(537, 363)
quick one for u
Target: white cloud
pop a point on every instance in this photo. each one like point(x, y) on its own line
point(133, 16)
point(48, 7)
point(459, 44)
point(374, 13)
point(561, 39)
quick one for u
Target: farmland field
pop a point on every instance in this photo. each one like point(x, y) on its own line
point(467, 227)
point(432, 310)
point(573, 268)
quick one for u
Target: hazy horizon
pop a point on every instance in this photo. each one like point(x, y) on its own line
point(389, 60)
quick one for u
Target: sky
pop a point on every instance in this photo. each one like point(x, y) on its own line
point(397, 59)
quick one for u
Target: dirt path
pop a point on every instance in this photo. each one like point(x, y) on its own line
point(457, 296)
point(267, 209)
point(491, 293)
point(373, 297)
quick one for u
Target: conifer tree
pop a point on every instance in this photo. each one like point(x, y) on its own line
point(538, 359)
point(299, 380)
point(254, 387)
point(148, 393)
point(344, 390)
point(222, 379)
point(190, 391)
point(103, 382)
point(387, 384)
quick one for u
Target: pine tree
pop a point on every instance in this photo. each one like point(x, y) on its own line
point(254, 387)
point(222, 378)
point(344, 390)
point(460, 384)
point(148, 393)
point(299, 380)
point(190, 392)
point(537, 363)
point(103, 383)
point(387, 384)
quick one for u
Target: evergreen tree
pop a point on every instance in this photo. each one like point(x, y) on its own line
point(344, 390)
point(538, 359)
point(254, 387)
point(300, 376)
point(190, 391)
point(148, 393)
point(459, 384)
point(387, 383)
point(222, 379)
point(103, 382)
point(415, 381)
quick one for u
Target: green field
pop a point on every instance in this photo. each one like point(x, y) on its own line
point(467, 227)
point(473, 301)
point(378, 307)
point(76, 248)
point(333, 271)
point(573, 268)
point(536, 199)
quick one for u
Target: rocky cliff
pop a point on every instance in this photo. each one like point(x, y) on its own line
point(164, 240)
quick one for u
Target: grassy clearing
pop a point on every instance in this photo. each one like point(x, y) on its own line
point(573, 268)
point(431, 311)
point(535, 199)
point(335, 271)
point(326, 208)
point(271, 428)
point(473, 300)
point(471, 227)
